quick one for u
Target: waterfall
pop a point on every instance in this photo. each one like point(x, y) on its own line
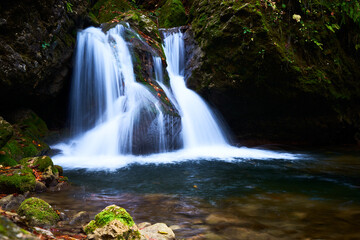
point(116, 120)
point(200, 126)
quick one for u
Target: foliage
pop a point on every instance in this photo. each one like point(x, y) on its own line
point(69, 7)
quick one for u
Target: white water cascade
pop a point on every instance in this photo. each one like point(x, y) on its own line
point(108, 107)
point(200, 127)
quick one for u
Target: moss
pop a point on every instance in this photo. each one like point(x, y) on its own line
point(38, 212)
point(43, 163)
point(5, 160)
point(172, 14)
point(17, 181)
point(106, 10)
point(6, 132)
point(33, 125)
point(107, 215)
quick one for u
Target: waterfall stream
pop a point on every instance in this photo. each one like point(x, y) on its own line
point(115, 120)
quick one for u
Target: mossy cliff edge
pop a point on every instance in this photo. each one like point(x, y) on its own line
point(281, 70)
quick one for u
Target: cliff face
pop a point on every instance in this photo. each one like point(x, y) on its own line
point(276, 70)
point(37, 39)
point(281, 71)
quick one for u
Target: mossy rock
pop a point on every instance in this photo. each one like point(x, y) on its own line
point(172, 14)
point(6, 132)
point(37, 212)
point(26, 141)
point(110, 218)
point(9, 230)
point(105, 10)
point(17, 181)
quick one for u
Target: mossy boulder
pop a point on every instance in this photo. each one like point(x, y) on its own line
point(37, 212)
point(112, 223)
point(6, 132)
point(172, 14)
point(15, 180)
point(9, 230)
point(106, 10)
point(28, 131)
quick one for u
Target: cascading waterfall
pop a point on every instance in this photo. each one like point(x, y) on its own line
point(200, 127)
point(114, 118)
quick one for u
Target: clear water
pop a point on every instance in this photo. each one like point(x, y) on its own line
point(316, 196)
point(210, 189)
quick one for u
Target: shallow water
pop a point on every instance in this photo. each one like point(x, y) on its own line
point(313, 196)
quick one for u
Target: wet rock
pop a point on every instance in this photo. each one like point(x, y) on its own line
point(49, 177)
point(37, 212)
point(40, 187)
point(243, 233)
point(44, 232)
point(8, 230)
point(11, 202)
point(175, 227)
point(159, 231)
point(59, 187)
point(216, 219)
point(143, 225)
point(60, 169)
point(112, 223)
point(80, 218)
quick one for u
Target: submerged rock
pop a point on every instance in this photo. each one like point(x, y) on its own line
point(37, 212)
point(112, 223)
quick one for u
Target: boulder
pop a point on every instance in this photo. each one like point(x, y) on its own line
point(17, 180)
point(11, 202)
point(9, 230)
point(37, 212)
point(112, 223)
point(80, 218)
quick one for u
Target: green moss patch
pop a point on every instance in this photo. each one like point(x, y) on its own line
point(108, 215)
point(15, 180)
point(38, 212)
point(172, 14)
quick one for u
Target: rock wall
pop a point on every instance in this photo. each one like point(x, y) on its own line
point(37, 39)
point(280, 71)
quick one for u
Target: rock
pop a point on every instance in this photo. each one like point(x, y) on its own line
point(6, 132)
point(11, 202)
point(8, 230)
point(60, 170)
point(80, 218)
point(45, 232)
point(172, 14)
point(216, 219)
point(59, 187)
point(271, 88)
point(40, 187)
point(175, 227)
point(63, 217)
point(43, 163)
point(159, 231)
point(37, 212)
point(49, 177)
point(112, 223)
point(18, 181)
point(143, 225)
